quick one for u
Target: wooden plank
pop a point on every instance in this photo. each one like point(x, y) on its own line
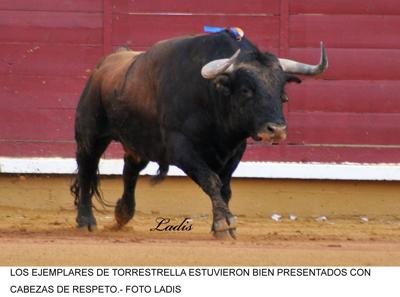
point(36, 124)
point(276, 153)
point(51, 27)
point(136, 31)
point(40, 92)
point(52, 5)
point(304, 153)
point(345, 7)
point(354, 64)
point(343, 128)
point(37, 149)
point(192, 6)
point(363, 96)
point(51, 35)
point(344, 31)
point(50, 19)
point(49, 59)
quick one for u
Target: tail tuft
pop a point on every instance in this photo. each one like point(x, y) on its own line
point(93, 192)
point(74, 188)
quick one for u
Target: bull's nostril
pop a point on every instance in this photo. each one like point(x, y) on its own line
point(276, 129)
point(271, 128)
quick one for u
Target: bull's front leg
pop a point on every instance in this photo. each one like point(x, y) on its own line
point(209, 181)
point(225, 175)
point(185, 157)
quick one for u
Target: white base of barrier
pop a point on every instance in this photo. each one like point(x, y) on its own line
point(332, 171)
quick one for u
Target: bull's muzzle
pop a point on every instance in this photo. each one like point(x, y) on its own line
point(272, 132)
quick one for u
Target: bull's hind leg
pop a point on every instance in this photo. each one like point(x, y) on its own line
point(86, 184)
point(125, 208)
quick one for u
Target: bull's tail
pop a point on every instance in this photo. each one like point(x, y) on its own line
point(91, 144)
point(75, 189)
point(94, 190)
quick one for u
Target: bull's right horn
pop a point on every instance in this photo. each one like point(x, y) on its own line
point(216, 67)
point(294, 67)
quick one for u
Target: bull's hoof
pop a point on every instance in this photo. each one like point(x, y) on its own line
point(123, 214)
point(232, 233)
point(221, 234)
point(86, 223)
point(220, 225)
point(232, 222)
point(225, 228)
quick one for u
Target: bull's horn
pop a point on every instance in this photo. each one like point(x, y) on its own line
point(294, 67)
point(212, 69)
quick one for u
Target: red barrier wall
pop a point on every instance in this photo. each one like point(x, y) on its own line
point(351, 113)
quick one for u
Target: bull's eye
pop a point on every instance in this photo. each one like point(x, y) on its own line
point(246, 92)
point(284, 98)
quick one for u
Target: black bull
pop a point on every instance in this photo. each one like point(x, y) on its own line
point(190, 102)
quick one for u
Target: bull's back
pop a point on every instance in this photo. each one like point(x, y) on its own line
point(110, 74)
point(125, 81)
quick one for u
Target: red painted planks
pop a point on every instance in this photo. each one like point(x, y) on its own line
point(360, 96)
point(304, 153)
point(284, 28)
point(344, 31)
point(36, 124)
point(107, 26)
point(354, 103)
point(192, 6)
point(53, 5)
point(343, 128)
point(48, 59)
point(50, 19)
point(354, 64)
point(50, 27)
point(40, 92)
point(276, 153)
point(145, 30)
point(54, 35)
point(345, 6)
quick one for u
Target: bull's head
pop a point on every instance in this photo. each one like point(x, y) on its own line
point(254, 83)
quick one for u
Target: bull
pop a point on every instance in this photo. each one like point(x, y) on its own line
point(190, 102)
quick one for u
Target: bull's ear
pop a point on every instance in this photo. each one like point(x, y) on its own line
point(222, 84)
point(293, 78)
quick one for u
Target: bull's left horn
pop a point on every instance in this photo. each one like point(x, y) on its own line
point(212, 69)
point(294, 67)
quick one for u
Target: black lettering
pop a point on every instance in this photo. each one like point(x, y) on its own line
point(19, 272)
point(163, 224)
point(160, 221)
point(167, 289)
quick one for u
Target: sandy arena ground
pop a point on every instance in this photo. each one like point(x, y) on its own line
point(37, 224)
